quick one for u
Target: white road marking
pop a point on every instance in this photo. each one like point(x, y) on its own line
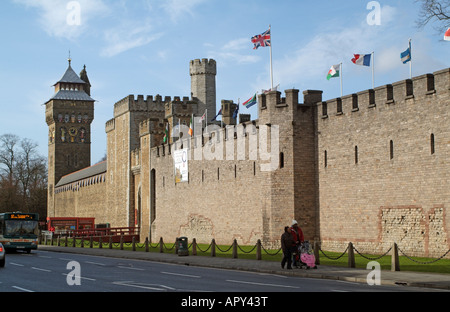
point(95, 263)
point(261, 284)
point(85, 278)
point(39, 269)
point(22, 289)
point(178, 274)
point(144, 286)
point(131, 268)
point(16, 264)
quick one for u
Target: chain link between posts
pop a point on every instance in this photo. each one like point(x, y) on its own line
point(83, 242)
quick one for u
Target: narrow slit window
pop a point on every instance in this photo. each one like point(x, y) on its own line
point(356, 155)
point(281, 160)
point(391, 148)
point(432, 144)
point(325, 159)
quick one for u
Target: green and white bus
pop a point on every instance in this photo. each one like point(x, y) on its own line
point(19, 231)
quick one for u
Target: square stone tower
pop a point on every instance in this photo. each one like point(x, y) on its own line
point(203, 84)
point(69, 114)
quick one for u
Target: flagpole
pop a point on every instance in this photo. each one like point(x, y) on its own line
point(410, 62)
point(373, 70)
point(271, 64)
point(342, 73)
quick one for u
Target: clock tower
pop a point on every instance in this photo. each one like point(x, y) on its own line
point(69, 114)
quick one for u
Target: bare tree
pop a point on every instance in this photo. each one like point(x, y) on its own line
point(436, 12)
point(23, 176)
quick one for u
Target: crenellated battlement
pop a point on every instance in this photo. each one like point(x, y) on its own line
point(149, 104)
point(177, 107)
point(204, 66)
point(436, 84)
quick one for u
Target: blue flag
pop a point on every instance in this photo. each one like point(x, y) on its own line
point(406, 56)
point(236, 112)
point(220, 113)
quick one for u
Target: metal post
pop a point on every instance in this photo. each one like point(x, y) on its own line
point(351, 256)
point(258, 250)
point(395, 261)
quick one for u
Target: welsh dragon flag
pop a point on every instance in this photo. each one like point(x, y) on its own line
point(334, 71)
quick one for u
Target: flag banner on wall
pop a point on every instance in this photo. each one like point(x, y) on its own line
point(180, 158)
point(362, 59)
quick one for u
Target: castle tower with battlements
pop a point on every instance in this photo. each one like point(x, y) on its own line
point(203, 84)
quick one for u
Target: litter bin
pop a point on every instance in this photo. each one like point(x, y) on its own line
point(183, 249)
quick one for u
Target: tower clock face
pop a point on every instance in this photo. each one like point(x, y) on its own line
point(73, 131)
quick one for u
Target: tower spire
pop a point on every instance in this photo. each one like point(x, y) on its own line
point(69, 59)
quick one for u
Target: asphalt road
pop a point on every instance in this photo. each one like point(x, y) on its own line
point(43, 271)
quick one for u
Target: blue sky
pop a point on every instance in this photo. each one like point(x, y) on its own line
point(144, 47)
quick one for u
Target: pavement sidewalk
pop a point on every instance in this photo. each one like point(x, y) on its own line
point(412, 279)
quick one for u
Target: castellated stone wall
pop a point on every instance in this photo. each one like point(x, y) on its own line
point(83, 199)
point(225, 197)
point(383, 167)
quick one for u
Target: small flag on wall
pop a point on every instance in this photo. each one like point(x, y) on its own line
point(406, 56)
point(166, 134)
point(250, 102)
point(362, 59)
point(334, 71)
point(236, 112)
point(191, 128)
point(218, 114)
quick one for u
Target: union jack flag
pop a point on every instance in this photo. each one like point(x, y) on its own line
point(262, 40)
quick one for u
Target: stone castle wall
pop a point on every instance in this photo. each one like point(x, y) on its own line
point(371, 168)
point(384, 170)
point(83, 199)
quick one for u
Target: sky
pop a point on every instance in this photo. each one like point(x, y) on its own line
point(145, 46)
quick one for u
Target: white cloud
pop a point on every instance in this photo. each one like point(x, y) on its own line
point(126, 32)
point(233, 51)
point(54, 14)
point(128, 35)
point(177, 8)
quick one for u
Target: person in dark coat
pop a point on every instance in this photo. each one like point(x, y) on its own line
point(298, 238)
point(287, 241)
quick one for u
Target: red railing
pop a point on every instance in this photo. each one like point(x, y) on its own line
point(115, 234)
point(125, 231)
